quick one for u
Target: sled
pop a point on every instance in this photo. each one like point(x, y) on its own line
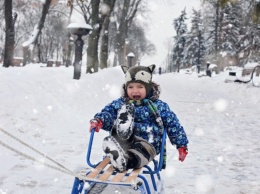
point(102, 174)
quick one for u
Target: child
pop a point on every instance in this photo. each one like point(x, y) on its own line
point(136, 122)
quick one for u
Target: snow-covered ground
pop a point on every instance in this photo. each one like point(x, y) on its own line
point(50, 111)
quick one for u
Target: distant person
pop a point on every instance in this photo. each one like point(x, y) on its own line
point(198, 68)
point(136, 122)
point(208, 64)
point(208, 71)
point(160, 70)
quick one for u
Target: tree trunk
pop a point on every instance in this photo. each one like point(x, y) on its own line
point(104, 45)
point(9, 34)
point(105, 37)
point(92, 50)
point(217, 23)
point(68, 47)
point(128, 13)
point(122, 34)
point(27, 54)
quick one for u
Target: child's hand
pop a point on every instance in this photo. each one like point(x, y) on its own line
point(183, 151)
point(95, 124)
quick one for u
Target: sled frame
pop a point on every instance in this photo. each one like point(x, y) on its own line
point(104, 173)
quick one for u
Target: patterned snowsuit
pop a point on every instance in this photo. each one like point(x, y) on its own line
point(145, 125)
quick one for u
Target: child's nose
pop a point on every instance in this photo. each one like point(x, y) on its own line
point(135, 90)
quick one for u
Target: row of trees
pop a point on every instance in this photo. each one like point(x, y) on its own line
point(38, 31)
point(223, 32)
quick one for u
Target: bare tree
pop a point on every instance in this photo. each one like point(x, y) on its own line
point(68, 44)
point(109, 6)
point(130, 8)
point(92, 50)
point(10, 19)
point(35, 35)
point(97, 19)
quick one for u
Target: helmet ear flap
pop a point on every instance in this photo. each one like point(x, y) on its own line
point(125, 90)
point(124, 68)
point(152, 67)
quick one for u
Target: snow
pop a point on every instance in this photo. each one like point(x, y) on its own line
point(47, 109)
point(211, 66)
point(251, 65)
point(131, 55)
point(79, 25)
point(32, 37)
point(223, 53)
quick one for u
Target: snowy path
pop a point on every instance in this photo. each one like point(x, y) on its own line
point(224, 137)
point(50, 111)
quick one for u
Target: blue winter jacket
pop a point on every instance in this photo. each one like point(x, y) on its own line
point(145, 125)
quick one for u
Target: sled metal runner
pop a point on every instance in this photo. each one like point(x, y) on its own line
point(104, 174)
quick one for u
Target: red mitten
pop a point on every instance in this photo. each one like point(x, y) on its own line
point(183, 151)
point(95, 124)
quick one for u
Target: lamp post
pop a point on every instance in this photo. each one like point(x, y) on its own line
point(130, 57)
point(79, 29)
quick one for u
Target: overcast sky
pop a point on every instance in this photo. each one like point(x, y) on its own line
point(161, 30)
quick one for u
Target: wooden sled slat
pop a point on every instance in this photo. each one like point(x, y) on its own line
point(99, 168)
point(119, 177)
point(106, 174)
point(133, 175)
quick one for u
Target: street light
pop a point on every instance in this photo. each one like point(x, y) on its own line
point(79, 29)
point(130, 57)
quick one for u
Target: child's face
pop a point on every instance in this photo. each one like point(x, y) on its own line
point(136, 91)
